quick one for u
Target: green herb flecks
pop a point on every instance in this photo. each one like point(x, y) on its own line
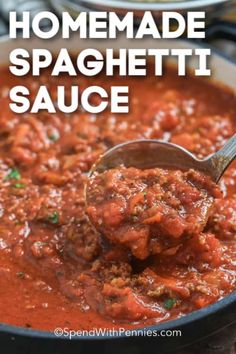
point(54, 218)
point(19, 185)
point(13, 174)
point(145, 193)
point(169, 303)
point(53, 137)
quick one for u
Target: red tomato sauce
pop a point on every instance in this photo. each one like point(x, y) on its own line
point(56, 270)
point(150, 210)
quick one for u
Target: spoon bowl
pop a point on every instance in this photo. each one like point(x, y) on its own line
point(156, 217)
point(147, 153)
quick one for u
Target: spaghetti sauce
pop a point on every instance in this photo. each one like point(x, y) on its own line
point(56, 270)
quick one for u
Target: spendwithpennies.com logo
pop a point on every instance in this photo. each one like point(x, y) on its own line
point(114, 332)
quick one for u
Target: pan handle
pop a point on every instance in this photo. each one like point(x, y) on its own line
point(221, 29)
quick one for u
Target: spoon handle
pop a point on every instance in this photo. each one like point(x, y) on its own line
point(222, 158)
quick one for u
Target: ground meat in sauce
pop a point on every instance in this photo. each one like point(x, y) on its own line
point(150, 210)
point(55, 268)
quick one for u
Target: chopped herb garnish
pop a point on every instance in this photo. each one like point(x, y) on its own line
point(53, 137)
point(20, 275)
point(13, 174)
point(54, 217)
point(19, 185)
point(144, 193)
point(169, 303)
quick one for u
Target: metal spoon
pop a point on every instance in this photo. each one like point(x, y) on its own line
point(147, 153)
